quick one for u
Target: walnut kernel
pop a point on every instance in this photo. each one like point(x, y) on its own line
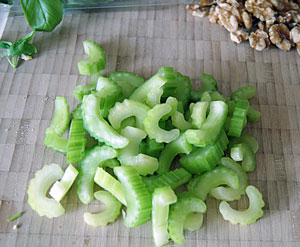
point(239, 36)
point(279, 36)
point(259, 40)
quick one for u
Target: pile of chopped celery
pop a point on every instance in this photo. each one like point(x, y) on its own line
point(125, 135)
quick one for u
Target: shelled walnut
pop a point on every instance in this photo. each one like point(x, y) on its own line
point(259, 40)
point(279, 36)
point(295, 36)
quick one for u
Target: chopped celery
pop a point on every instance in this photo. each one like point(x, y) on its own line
point(173, 102)
point(96, 60)
point(244, 93)
point(152, 128)
point(248, 216)
point(210, 129)
point(137, 197)
point(111, 213)
point(205, 97)
point(55, 143)
point(216, 96)
point(238, 118)
point(97, 127)
point(179, 121)
point(93, 158)
point(127, 122)
point(38, 188)
point(209, 85)
point(60, 188)
point(109, 183)
point(161, 199)
point(199, 114)
point(193, 222)
point(76, 113)
point(244, 138)
point(82, 90)
point(111, 163)
point(253, 115)
point(153, 148)
point(243, 152)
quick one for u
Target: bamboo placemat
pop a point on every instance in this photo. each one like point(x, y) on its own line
point(142, 40)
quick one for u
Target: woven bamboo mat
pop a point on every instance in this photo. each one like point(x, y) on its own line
point(142, 40)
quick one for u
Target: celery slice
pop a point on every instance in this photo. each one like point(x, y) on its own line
point(248, 216)
point(199, 114)
point(244, 138)
point(111, 213)
point(244, 93)
point(179, 121)
point(55, 143)
point(205, 97)
point(76, 113)
point(60, 188)
point(137, 197)
point(253, 115)
point(193, 222)
point(161, 199)
point(81, 90)
point(243, 152)
point(111, 163)
point(173, 102)
point(38, 187)
point(238, 118)
point(209, 84)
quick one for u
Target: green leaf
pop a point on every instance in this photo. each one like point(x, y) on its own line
point(27, 37)
point(5, 44)
point(42, 15)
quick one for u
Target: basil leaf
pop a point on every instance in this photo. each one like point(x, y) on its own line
point(22, 47)
point(5, 44)
point(27, 37)
point(42, 15)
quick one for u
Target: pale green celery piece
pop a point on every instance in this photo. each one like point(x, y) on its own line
point(111, 213)
point(55, 143)
point(161, 199)
point(152, 128)
point(243, 152)
point(209, 180)
point(111, 163)
point(154, 96)
point(179, 121)
point(178, 214)
point(96, 125)
point(210, 129)
point(137, 197)
point(151, 87)
point(248, 216)
point(253, 115)
point(229, 194)
point(180, 145)
point(193, 222)
point(173, 102)
point(128, 108)
point(60, 188)
point(199, 114)
point(244, 138)
point(216, 96)
point(96, 60)
point(129, 156)
point(109, 183)
point(93, 158)
point(206, 97)
point(82, 90)
point(37, 190)
point(61, 117)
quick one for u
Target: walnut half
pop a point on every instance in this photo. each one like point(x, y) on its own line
point(259, 40)
point(239, 36)
point(279, 36)
point(295, 36)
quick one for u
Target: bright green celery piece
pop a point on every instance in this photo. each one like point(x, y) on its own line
point(38, 188)
point(137, 197)
point(129, 156)
point(244, 138)
point(151, 147)
point(128, 81)
point(76, 142)
point(253, 115)
point(244, 93)
point(206, 158)
point(111, 163)
point(179, 121)
point(173, 179)
point(229, 194)
point(96, 60)
point(205, 97)
point(210, 129)
point(180, 145)
point(128, 108)
point(94, 157)
point(238, 118)
point(151, 91)
point(209, 84)
point(96, 125)
point(193, 222)
point(173, 102)
point(209, 180)
point(152, 128)
point(60, 188)
point(178, 214)
point(82, 90)
point(161, 199)
point(248, 216)
point(243, 152)
point(61, 117)
point(111, 213)
point(76, 113)
point(109, 183)
point(216, 96)
point(231, 106)
point(55, 143)
point(199, 114)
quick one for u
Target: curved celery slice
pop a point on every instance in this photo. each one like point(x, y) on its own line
point(152, 128)
point(253, 115)
point(229, 194)
point(238, 118)
point(82, 90)
point(244, 138)
point(111, 213)
point(178, 213)
point(76, 113)
point(60, 188)
point(243, 152)
point(248, 216)
point(126, 109)
point(76, 142)
point(173, 102)
point(210, 129)
point(199, 114)
point(109, 183)
point(55, 143)
point(96, 60)
point(129, 156)
point(244, 93)
point(38, 187)
point(209, 84)
point(97, 127)
point(209, 180)
point(193, 222)
point(180, 145)
point(128, 81)
point(153, 148)
point(206, 158)
point(179, 121)
point(161, 199)
point(93, 158)
point(137, 196)
point(61, 117)
point(111, 163)
point(216, 96)
point(205, 97)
